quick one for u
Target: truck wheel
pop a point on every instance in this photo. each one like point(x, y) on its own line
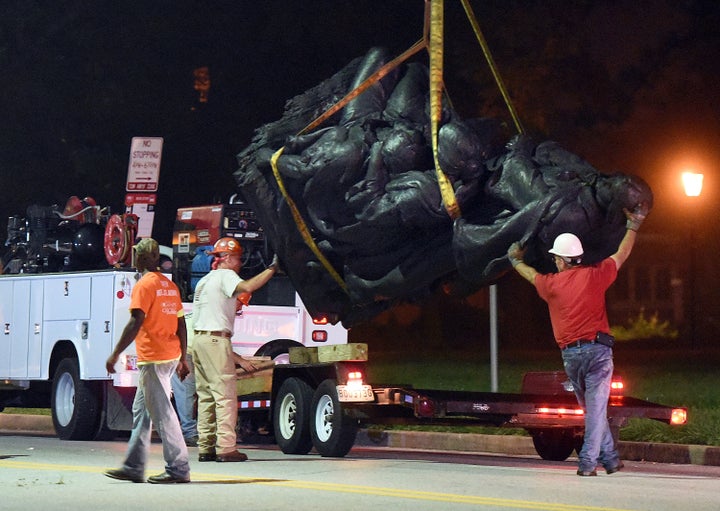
point(333, 432)
point(76, 404)
point(291, 417)
point(554, 444)
point(278, 350)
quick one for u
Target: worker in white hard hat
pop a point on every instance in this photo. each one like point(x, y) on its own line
point(576, 301)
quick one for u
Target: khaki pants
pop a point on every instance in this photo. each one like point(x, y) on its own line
point(216, 387)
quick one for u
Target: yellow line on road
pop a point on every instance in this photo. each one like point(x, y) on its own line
point(206, 478)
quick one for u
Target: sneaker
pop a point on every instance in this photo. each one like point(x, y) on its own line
point(231, 456)
point(166, 478)
point(123, 475)
point(191, 441)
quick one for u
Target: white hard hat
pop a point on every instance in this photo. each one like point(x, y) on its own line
point(567, 245)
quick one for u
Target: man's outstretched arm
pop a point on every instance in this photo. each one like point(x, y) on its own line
point(515, 255)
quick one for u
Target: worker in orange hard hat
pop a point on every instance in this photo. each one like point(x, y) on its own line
point(214, 307)
point(223, 248)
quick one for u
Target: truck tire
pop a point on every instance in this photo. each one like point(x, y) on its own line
point(554, 444)
point(333, 432)
point(278, 350)
point(76, 404)
point(291, 417)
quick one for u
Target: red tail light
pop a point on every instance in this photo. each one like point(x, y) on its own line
point(319, 335)
point(425, 407)
point(320, 319)
point(678, 416)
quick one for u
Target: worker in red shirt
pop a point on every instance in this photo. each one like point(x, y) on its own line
point(576, 301)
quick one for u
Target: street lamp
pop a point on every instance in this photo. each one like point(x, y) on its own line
point(692, 183)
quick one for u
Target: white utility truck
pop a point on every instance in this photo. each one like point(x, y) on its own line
point(60, 322)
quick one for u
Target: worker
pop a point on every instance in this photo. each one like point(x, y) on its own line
point(183, 390)
point(158, 328)
point(576, 301)
point(214, 307)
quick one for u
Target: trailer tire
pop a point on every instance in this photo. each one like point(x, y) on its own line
point(333, 432)
point(291, 417)
point(554, 444)
point(278, 350)
point(76, 404)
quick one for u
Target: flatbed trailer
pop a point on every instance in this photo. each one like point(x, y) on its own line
point(322, 405)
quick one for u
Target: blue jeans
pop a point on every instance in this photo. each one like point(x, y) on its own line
point(590, 368)
point(152, 405)
point(184, 392)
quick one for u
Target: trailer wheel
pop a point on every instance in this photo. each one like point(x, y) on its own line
point(333, 432)
point(554, 444)
point(291, 417)
point(76, 404)
point(278, 350)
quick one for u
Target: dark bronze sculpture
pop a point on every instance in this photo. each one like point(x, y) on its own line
point(366, 188)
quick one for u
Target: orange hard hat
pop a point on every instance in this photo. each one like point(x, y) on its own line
point(226, 246)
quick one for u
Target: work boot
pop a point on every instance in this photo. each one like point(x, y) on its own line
point(586, 473)
point(123, 475)
point(616, 468)
point(231, 456)
point(166, 478)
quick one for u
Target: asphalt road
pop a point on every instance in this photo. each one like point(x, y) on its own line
point(42, 472)
point(452, 442)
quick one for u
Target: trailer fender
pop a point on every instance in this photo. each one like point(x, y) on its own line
point(278, 350)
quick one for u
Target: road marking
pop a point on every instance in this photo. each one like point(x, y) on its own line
point(208, 478)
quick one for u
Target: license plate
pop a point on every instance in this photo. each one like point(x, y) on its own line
point(362, 393)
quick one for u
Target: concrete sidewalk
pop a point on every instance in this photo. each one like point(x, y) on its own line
point(458, 442)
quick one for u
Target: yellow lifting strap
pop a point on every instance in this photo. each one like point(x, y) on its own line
point(366, 84)
point(491, 64)
point(301, 225)
point(436, 92)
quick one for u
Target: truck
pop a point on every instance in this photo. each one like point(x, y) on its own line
point(64, 300)
point(61, 322)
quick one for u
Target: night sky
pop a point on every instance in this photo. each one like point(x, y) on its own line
point(629, 85)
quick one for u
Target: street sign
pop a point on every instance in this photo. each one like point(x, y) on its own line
point(144, 164)
point(142, 205)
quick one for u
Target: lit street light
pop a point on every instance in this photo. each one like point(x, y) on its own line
point(692, 183)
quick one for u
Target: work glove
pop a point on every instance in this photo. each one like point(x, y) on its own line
point(275, 264)
point(636, 217)
point(515, 254)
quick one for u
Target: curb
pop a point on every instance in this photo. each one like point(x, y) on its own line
point(523, 446)
point(30, 424)
point(513, 445)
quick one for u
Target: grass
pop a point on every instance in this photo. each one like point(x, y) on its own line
point(28, 411)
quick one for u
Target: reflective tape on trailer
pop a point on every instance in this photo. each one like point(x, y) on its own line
point(249, 405)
